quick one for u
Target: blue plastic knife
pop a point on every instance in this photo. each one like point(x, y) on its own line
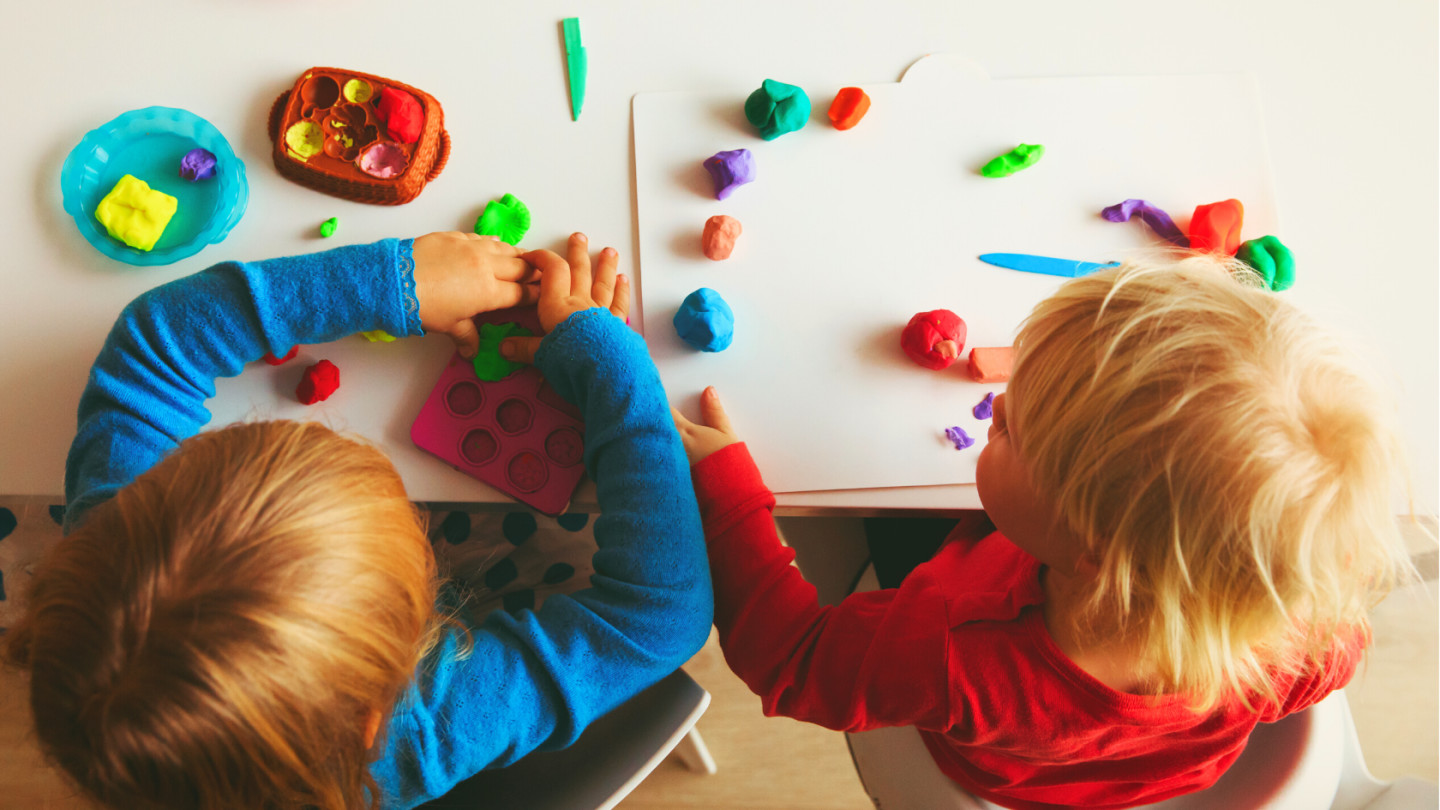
point(1044, 264)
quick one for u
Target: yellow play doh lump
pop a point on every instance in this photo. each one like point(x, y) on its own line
point(136, 214)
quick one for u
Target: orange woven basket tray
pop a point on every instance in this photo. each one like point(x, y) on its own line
point(358, 136)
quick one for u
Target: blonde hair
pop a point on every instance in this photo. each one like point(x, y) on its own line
point(1229, 467)
point(218, 634)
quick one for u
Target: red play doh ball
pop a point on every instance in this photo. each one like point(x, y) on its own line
point(1216, 227)
point(401, 114)
point(275, 361)
point(319, 382)
point(934, 339)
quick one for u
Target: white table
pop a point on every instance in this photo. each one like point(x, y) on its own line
point(1350, 95)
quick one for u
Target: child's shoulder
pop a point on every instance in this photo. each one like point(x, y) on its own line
point(982, 578)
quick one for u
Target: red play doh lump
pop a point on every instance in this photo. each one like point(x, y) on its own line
point(934, 339)
point(1216, 227)
point(319, 382)
point(401, 114)
point(275, 361)
point(991, 364)
point(849, 106)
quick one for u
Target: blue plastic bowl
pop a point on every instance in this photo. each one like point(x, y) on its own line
point(148, 144)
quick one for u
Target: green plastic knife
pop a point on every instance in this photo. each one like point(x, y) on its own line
point(575, 64)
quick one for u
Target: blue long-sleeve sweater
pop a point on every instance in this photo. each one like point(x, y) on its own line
point(534, 679)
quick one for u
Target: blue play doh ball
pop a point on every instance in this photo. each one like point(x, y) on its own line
point(705, 321)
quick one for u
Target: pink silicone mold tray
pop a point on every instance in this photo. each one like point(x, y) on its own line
point(516, 435)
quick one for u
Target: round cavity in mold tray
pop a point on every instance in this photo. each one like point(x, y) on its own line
point(527, 472)
point(464, 398)
point(478, 446)
point(564, 446)
point(514, 416)
point(320, 90)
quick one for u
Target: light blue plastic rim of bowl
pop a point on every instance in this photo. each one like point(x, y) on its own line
point(234, 190)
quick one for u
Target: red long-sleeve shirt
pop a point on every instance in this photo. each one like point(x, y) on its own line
point(959, 650)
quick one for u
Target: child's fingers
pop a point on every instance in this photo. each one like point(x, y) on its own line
point(520, 349)
point(603, 290)
point(620, 304)
point(515, 269)
point(578, 253)
point(712, 412)
point(509, 294)
point(494, 244)
point(681, 423)
point(554, 273)
point(467, 340)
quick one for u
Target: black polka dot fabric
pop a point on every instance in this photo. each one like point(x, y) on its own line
point(516, 601)
point(573, 522)
point(515, 560)
point(519, 527)
point(501, 574)
point(558, 573)
point(29, 526)
point(510, 561)
point(455, 528)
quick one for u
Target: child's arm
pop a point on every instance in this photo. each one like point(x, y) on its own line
point(148, 387)
point(536, 679)
point(876, 659)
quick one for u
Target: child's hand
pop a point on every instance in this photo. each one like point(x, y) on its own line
point(460, 275)
point(702, 440)
point(566, 287)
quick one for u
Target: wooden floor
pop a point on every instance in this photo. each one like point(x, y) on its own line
point(765, 763)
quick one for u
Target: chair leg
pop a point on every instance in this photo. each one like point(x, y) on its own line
point(693, 754)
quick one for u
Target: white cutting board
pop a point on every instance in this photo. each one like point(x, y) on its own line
point(847, 234)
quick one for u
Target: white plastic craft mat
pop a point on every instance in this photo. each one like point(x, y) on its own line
point(848, 234)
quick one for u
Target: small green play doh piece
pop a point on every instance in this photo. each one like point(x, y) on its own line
point(507, 218)
point(490, 366)
point(327, 228)
point(1270, 258)
point(777, 108)
point(1021, 157)
point(378, 336)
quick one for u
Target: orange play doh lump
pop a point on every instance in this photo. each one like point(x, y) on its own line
point(989, 365)
point(718, 240)
point(136, 214)
point(849, 106)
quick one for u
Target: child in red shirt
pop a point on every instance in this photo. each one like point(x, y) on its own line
point(1190, 487)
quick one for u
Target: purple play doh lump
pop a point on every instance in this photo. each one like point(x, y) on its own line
point(985, 409)
point(198, 164)
point(730, 170)
point(958, 437)
point(1159, 221)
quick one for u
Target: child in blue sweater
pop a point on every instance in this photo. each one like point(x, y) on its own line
point(252, 617)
